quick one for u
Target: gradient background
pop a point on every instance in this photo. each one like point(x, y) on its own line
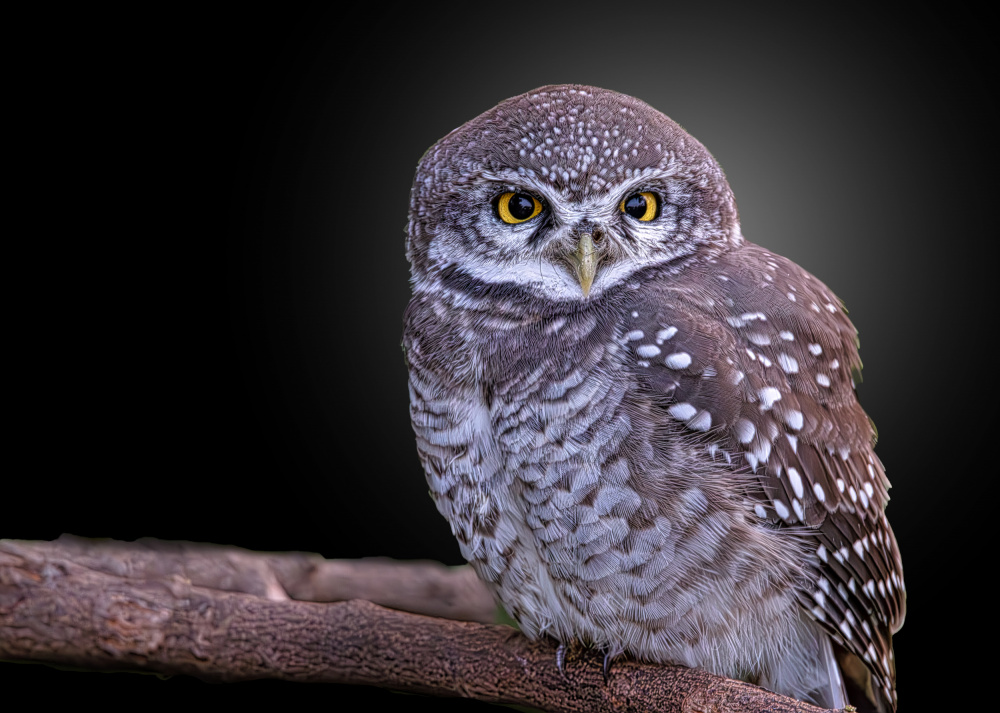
point(215, 277)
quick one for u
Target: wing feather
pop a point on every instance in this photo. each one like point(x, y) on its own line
point(760, 357)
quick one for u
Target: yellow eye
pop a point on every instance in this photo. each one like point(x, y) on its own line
point(517, 207)
point(641, 206)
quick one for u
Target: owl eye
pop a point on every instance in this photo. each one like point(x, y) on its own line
point(641, 206)
point(517, 207)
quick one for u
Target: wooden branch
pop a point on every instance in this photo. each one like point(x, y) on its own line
point(225, 614)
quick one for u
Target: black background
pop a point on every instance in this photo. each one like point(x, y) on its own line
point(208, 274)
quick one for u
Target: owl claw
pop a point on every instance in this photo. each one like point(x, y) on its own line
point(607, 665)
point(561, 660)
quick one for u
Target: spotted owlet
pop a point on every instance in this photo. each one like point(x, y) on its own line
point(641, 427)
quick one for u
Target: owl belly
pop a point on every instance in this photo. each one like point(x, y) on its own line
point(594, 520)
point(580, 544)
point(660, 591)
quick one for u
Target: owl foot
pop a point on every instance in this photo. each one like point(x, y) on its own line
point(609, 656)
point(561, 659)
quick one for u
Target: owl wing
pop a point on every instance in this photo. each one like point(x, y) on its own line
point(758, 357)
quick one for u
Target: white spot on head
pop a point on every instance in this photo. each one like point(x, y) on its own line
point(738, 377)
point(822, 379)
point(815, 349)
point(665, 334)
point(835, 363)
point(763, 359)
point(796, 480)
point(768, 396)
point(745, 430)
point(634, 314)
point(786, 335)
point(635, 335)
point(648, 351)
point(751, 355)
point(761, 340)
point(678, 360)
point(790, 296)
point(682, 411)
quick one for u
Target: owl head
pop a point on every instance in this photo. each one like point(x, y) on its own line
point(562, 193)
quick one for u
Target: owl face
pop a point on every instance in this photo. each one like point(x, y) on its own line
point(562, 193)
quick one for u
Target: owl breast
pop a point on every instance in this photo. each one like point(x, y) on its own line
point(592, 515)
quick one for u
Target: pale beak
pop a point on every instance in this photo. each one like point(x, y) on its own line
point(585, 261)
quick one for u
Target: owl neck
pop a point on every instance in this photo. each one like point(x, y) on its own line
point(503, 304)
point(509, 305)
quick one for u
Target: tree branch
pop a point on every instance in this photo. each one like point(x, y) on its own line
point(226, 614)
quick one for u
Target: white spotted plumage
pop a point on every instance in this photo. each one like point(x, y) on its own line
point(662, 455)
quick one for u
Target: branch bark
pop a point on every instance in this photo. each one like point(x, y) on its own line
point(226, 614)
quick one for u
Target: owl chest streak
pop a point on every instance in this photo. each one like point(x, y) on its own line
point(588, 512)
point(528, 459)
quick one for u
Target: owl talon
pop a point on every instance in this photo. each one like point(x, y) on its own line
point(607, 665)
point(561, 660)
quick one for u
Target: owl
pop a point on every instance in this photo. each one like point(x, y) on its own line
point(641, 427)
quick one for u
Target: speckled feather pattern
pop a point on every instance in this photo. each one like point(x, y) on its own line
point(675, 467)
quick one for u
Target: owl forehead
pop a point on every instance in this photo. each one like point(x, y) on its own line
point(573, 138)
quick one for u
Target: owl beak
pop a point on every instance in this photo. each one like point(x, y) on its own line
point(585, 260)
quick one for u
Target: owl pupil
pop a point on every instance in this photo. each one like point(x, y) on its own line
point(636, 206)
point(521, 206)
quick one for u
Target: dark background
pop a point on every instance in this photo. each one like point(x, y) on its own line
point(209, 277)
